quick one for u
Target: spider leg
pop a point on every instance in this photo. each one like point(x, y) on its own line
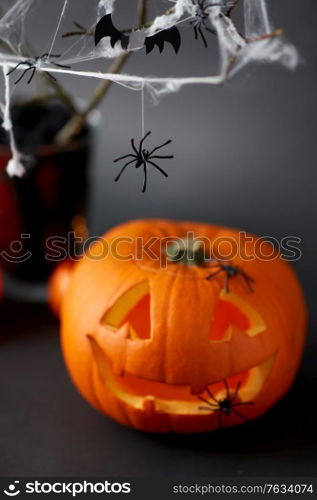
point(32, 75)
point(159, 147)
point(243, 403)
point(196, 32)
point(227, 290)
point(235, 392)
point(248, 280)
point(122, 170)
point(24, 72)
point(214, 274)
point(142, 140)
point(125, 156)
point(158, 168)
point(246, 276)
point(54, 56)
point(212, 405)
point(248, 283)
point(145, 177)
point(60, 65)
point(203, 37)
point(134, 148)
point(162, 157)
point(227, 388)
point(51, 76)
point(210, 394)
point(16, 67)
point(243, 417)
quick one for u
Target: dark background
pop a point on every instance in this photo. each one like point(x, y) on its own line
point(245, 155)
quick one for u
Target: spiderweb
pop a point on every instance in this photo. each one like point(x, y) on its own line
point(257, 43)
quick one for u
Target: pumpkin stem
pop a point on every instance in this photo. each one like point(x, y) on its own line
point(186, 251)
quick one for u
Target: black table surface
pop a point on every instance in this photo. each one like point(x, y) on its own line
point(47, 429)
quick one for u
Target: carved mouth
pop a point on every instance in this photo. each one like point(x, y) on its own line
point(152, 396)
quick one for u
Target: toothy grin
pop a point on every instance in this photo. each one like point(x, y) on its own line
point(175, 399)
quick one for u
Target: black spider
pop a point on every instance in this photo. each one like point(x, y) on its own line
point(201, 16)
point(224, 406)
point(230, 272)
point(141, 157)
point(35, 65)
point(200, 20)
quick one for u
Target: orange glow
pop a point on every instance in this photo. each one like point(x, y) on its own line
point(141, 387)
point(226, 315)
point(139, 318)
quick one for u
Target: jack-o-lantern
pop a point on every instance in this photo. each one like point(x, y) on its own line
point(176, 340)
point(58, 283)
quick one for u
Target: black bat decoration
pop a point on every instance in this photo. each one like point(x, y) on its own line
point(106, 28)
point(170, 35)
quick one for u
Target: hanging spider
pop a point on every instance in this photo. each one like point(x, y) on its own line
point(141, 157)
point(224, 406)
point(230, 272)
point(35, 65)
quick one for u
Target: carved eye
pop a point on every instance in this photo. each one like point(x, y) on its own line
point(133, 308)
point(231, 311)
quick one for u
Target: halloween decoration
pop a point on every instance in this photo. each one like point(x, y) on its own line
point(105, 28)
point(58, 284)
point(225, 406)
point(35, 65)
point(231, 272)
point(141, 157)
point(170, 35)
point(238, 47)
point(144, 337)
point(200, 20)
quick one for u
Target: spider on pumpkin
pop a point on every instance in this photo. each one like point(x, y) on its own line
point(35, 65)
point(230, 272)
point(141, 157)
point(224, 406)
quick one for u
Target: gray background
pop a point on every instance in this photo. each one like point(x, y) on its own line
point(245, 155)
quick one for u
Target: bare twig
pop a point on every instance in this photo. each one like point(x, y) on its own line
point(273, 34)
point(230, 10)
point(142, 12)
point(77, 121)
point(59, 89)
point(80, 31)
point(233, 59)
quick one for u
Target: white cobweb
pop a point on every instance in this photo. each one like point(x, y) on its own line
point(258, 43)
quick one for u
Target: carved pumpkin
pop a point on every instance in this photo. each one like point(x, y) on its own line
point(164, 346)
point(58, 283)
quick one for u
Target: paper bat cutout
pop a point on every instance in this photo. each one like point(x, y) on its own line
point(105, 28)
point(170, 35)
